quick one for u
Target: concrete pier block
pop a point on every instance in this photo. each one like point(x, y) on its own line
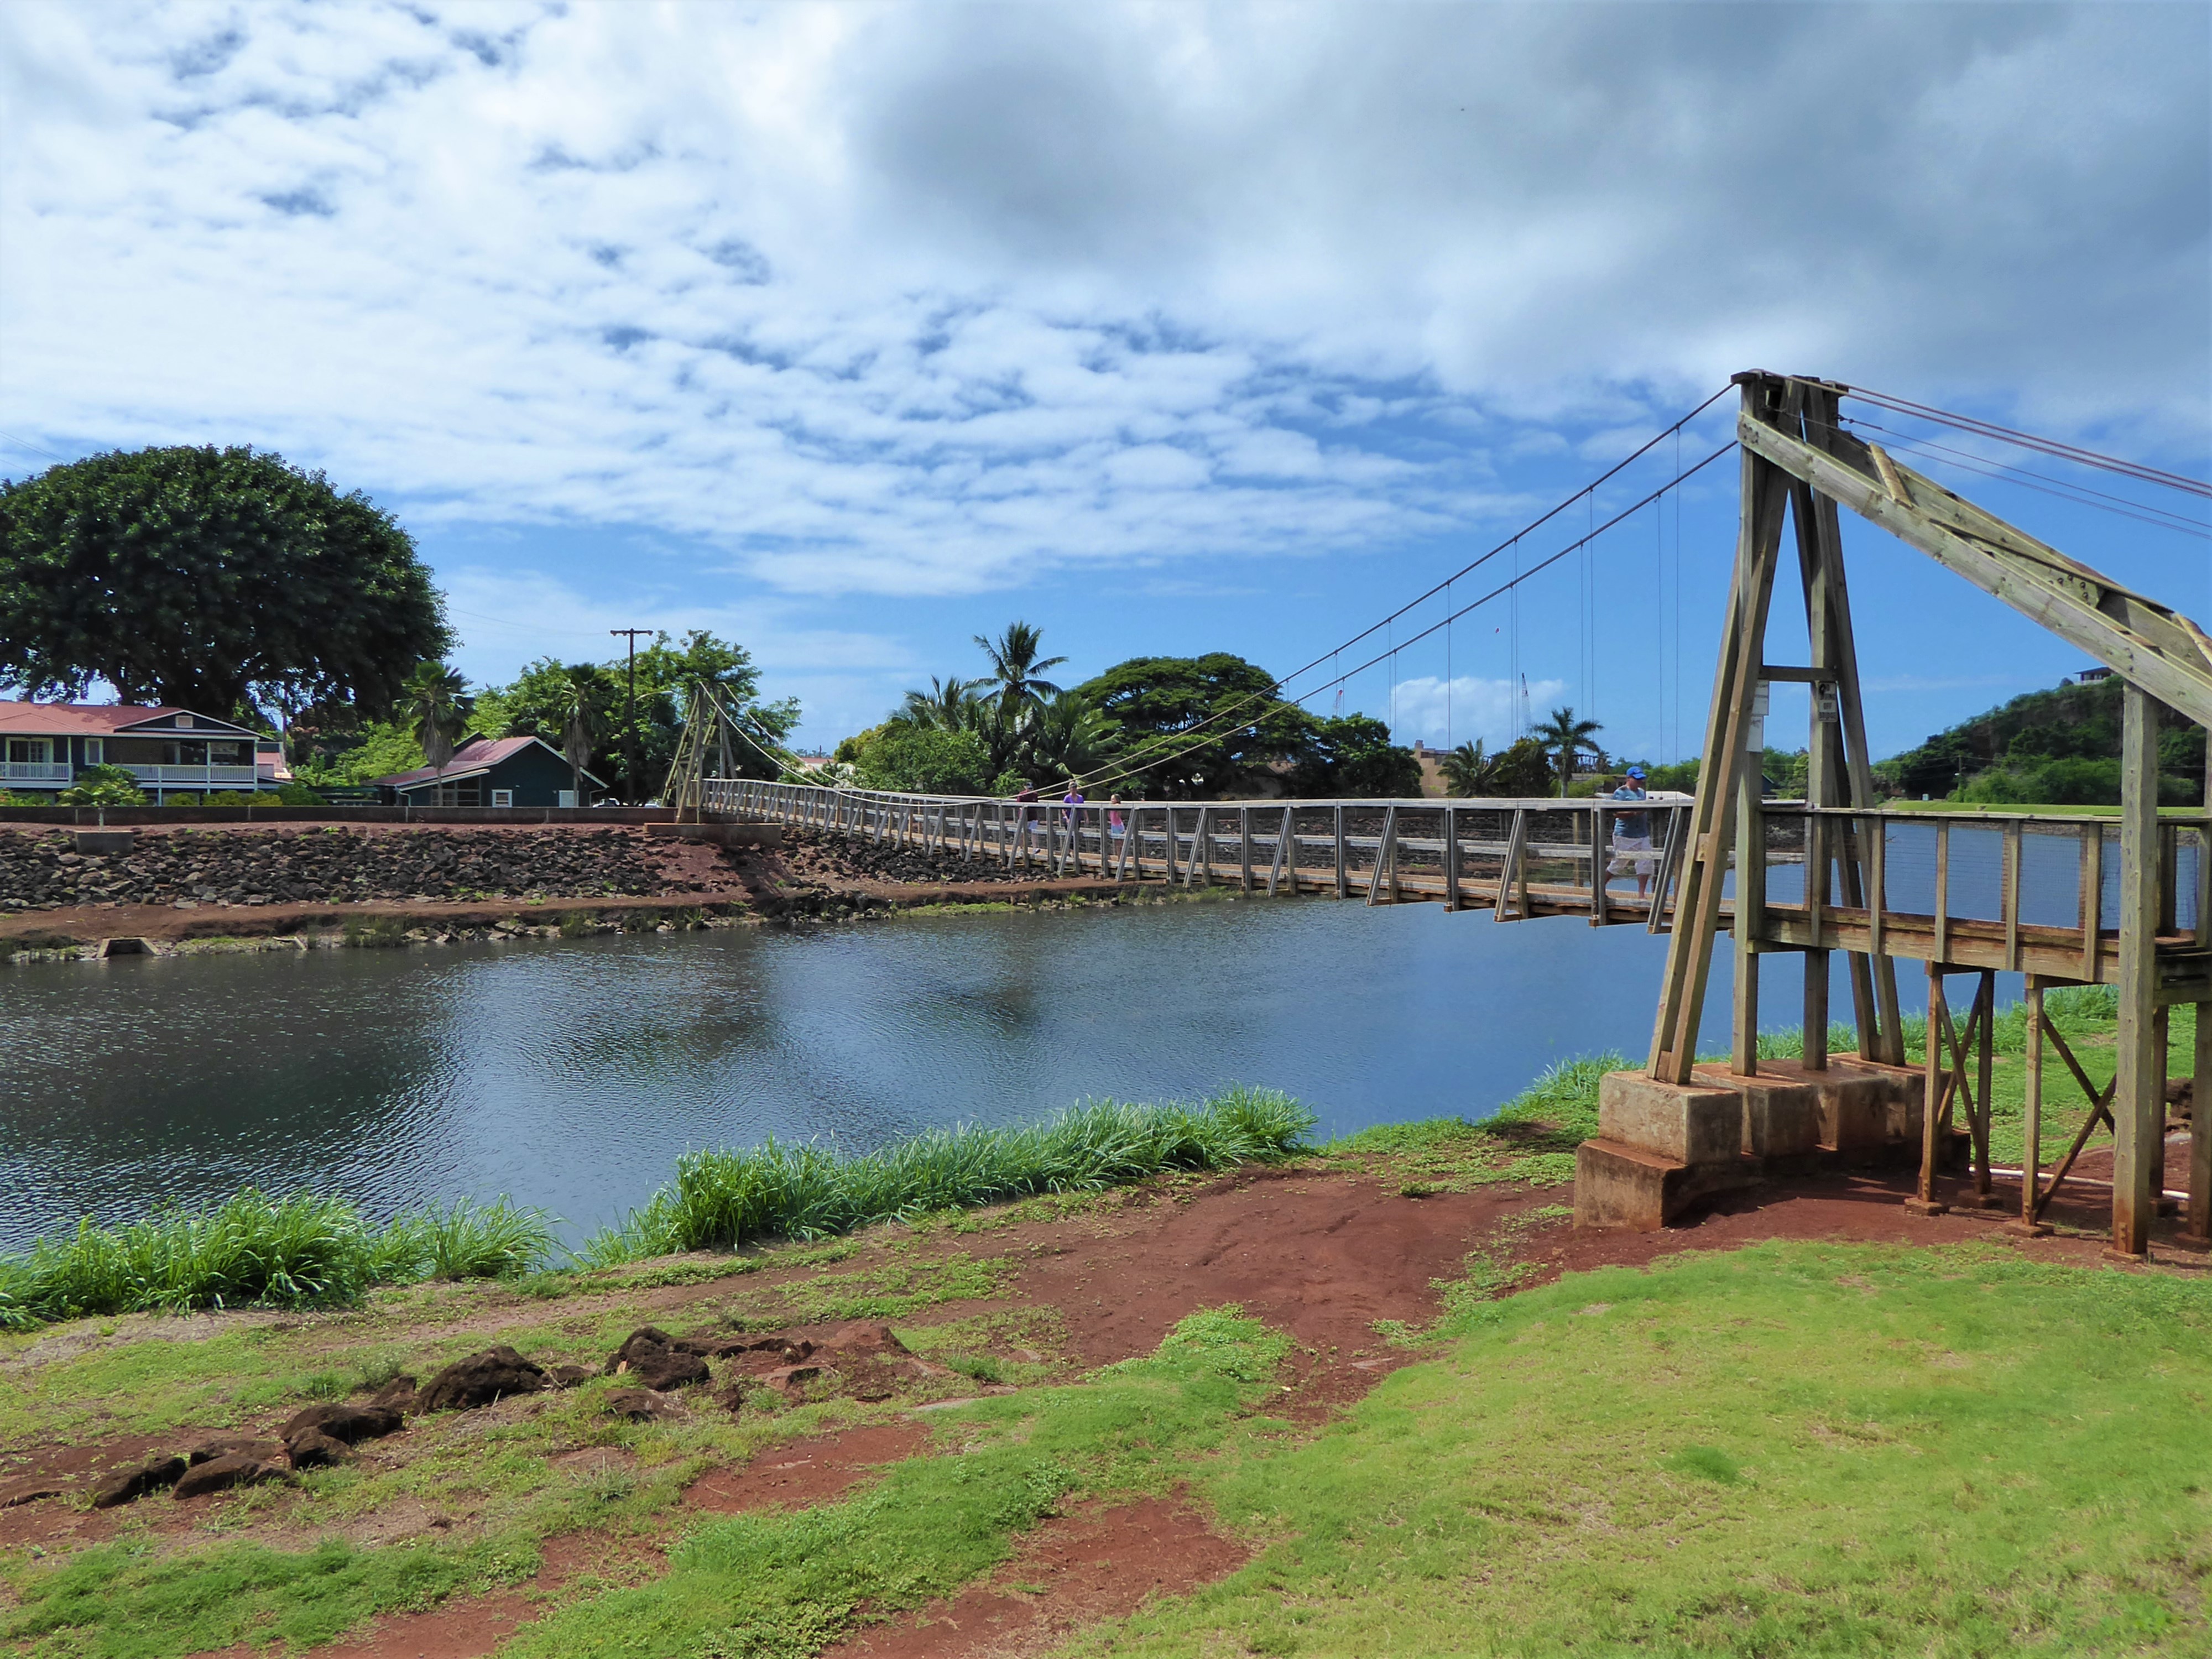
point(1690, 1123)
point(1781, 1107)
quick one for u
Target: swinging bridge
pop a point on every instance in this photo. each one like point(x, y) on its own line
point(2124, 900)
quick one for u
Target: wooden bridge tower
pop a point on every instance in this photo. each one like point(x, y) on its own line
point(1799, 465)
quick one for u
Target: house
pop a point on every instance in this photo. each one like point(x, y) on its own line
point(494, 772)
point(177, 755)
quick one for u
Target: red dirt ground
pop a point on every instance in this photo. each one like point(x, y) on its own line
point(1096, 1562)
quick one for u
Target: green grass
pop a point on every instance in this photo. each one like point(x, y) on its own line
point(300, 1251)
point(721, 1199)
point(1787, 1450)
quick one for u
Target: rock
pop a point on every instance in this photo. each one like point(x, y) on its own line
point(669, 1368)
point(222, 1473)
point(642, 1406)
point(312, 1449)
point(646, 1339)
point(231, 1445)
point(656, 1360)
point(29, 1491)
point(346, 1423)
point(480, 1379)
point(568, 1377)
point(2181, 1098)
point(397, 1394)
point(122, 1486)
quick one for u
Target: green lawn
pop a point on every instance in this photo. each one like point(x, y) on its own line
point(1787, 1450)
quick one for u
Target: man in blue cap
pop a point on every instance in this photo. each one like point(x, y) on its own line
point(1631, 836)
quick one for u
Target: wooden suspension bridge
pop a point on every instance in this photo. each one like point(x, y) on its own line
point(2124, 900)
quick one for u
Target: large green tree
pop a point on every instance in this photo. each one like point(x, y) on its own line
point(1192, 728)
point(1352, 756)
point(210, 577)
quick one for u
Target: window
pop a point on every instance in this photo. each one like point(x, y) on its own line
point(235, 753)
point(184, 720)
point(503, 798)
point(93, 751)
point(29, 751)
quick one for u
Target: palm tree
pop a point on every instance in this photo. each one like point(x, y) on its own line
point(1069, 737)
point(1468, 770)
point(580, 699)
point(436, 703)
point(1566, 736)
point(947, 706)
point(1015, 667)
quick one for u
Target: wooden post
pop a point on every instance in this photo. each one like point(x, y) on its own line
point(1942, 892)
point(1451, 858)
point(2197, 1228)
point(1923, 1200)
point(2010, 904)
point(1343, 877)
point(2031, 1159)
point(1511, 903)
point(1244, 849)
point(1985, 1009)
point(1386, 859)
point(2093, 903)
point(1287, 855)
point(1202, 855)
point(1816, 1010)
point(1599, 876)
point(1750, 892)
point(2138, 1158)
point(1697, 913)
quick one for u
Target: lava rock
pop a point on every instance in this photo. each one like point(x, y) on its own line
point(642, 1406)
point(656, 1360)
point(123, 1486)
point(312, 1449)
point(480, 1379)
point(222, 1473)
point(397, 1394)
point(568, 1377)
point(29, 1492)
point(342, 1422)
point(645, 1339)
point(791, 1381)
point(231, 1445)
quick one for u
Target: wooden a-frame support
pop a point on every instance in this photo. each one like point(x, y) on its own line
point(1798, 463)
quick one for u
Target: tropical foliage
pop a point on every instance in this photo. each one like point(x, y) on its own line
point(1565, 738)
point(103, 785)
point(1518, 771)
point(2059, 747)
point(215, 578)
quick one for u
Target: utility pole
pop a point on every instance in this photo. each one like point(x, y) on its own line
point(629, 724)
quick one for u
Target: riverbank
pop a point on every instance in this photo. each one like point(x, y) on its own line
point(186, 888)
point(1355, 1401)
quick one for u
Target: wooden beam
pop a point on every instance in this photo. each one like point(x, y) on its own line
point(2150, 645)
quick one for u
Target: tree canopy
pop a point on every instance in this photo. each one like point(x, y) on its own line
point(215, 578)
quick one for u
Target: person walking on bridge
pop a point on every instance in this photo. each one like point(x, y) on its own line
point(1632, 834)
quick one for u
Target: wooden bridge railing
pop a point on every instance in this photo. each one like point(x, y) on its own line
point(2021, 891)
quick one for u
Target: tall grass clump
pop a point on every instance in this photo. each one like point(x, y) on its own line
point(304, 1250)
point(721, 1199)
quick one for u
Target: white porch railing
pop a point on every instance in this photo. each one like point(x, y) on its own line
point(195, 777)
point(47, 772)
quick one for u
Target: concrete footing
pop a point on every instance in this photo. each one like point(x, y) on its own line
point(1661, 1146)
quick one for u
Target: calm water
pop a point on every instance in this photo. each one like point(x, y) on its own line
point(570, 1075)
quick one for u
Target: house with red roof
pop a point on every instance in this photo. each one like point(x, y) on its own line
point(495, 772)
point(177, 755)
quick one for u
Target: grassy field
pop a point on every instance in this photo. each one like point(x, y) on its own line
point(1790, 1449)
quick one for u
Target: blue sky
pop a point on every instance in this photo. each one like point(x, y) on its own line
point(852, 331)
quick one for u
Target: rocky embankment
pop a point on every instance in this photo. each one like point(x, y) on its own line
point(814, 857)
point(334, 864)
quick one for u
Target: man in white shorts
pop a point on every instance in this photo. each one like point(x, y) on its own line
point(1631, 836)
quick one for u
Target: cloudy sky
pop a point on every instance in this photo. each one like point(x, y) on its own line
point(853, 330)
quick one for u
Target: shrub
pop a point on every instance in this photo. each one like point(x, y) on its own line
point(721, 1199)
point(375, 932)
point(103, 785)
point(301, 1251)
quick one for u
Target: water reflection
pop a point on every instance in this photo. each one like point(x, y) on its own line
point(571, 1075)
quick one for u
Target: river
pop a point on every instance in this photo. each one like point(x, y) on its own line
point(570, 1075)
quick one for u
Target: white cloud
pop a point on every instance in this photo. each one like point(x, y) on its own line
point(1443, 713)
point(928, 298)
